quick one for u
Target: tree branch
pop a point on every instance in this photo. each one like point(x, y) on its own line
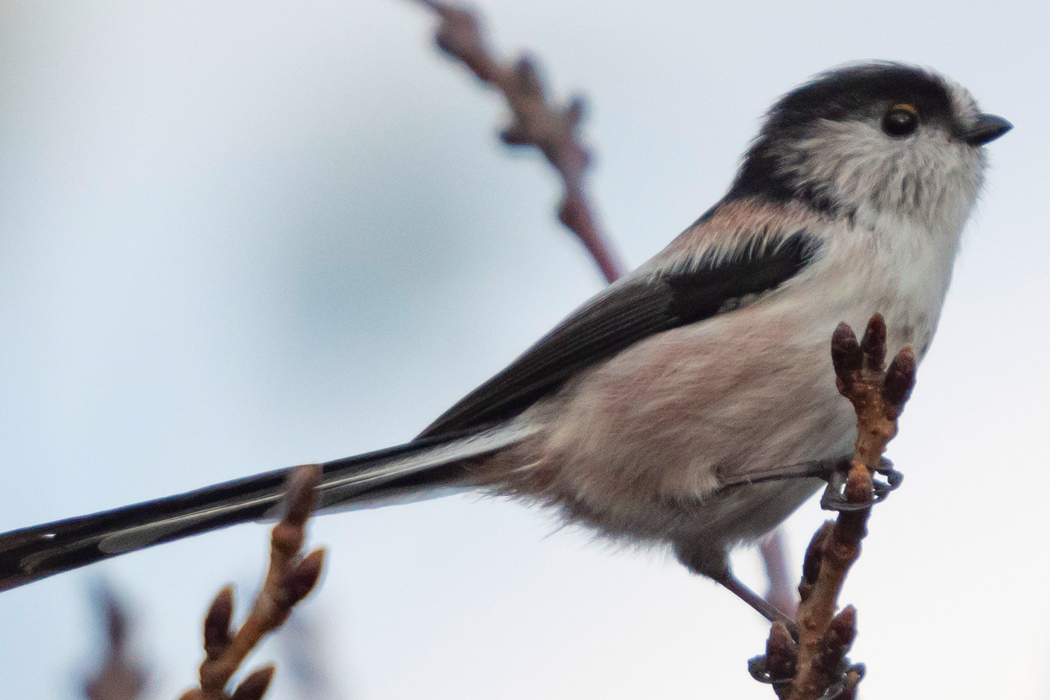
point(815, 666)
point(535, 121)
point(120, 678)
point(289, 579)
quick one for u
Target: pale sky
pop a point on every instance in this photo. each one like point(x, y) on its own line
point(236, 236)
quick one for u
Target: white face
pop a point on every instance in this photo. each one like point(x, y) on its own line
point(927, 176)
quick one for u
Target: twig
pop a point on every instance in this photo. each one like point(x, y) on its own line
point(289, 579)
point(808, 669)
point(534, 122)
point(120, 678)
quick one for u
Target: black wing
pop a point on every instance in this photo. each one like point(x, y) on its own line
point(623, 316)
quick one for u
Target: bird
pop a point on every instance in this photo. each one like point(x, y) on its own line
point(648, 414)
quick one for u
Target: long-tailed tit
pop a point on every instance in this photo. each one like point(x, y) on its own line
point(643, 414)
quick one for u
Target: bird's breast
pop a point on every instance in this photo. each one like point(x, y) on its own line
point(675, 415)
point(641, 444)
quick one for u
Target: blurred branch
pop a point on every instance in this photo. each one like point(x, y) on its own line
point(815, 666)
point(120, 678)
point(304, 654)
point(535, 121)
point(289, 579)
point(779, 592)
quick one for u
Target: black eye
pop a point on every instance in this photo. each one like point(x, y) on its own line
point(901, 120)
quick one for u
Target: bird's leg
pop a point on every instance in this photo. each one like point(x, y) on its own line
point(762, 606)
point(833, 471)
point(714, 564)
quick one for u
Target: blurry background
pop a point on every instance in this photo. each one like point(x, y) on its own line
point(240, 235)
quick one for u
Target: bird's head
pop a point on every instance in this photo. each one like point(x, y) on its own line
point(873, 140)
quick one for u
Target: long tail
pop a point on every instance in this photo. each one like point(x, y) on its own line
point(410, 470)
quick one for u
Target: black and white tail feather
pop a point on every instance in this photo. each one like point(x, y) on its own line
point(419, 469)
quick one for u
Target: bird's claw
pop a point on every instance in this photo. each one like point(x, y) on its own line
point(757, 668)
point(843, 683)
point(834, 497)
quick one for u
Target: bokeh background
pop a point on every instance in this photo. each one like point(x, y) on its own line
point(241, 235)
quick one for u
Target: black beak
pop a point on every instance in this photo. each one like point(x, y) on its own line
point(986, 128)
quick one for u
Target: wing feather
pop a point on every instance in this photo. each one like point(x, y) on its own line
point(624, 314)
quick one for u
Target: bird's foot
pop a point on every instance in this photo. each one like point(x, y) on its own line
point(834, 497)
point(848, 676)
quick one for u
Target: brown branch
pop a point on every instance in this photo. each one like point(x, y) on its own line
point(120, 678)
point(534, 122)
point(289, 579)
point(806, 670)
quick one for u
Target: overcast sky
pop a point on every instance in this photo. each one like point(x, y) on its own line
point(236, 236)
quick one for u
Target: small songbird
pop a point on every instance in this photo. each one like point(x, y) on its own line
point(647, 412)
